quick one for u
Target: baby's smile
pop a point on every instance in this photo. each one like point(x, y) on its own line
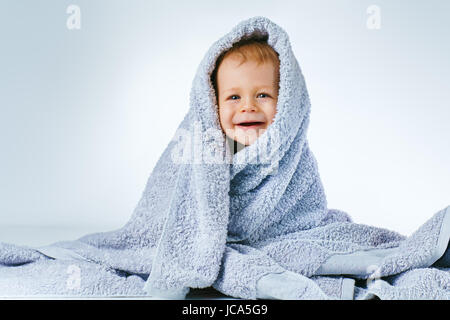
point(250, 124)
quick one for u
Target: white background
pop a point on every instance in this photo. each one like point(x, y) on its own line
point(85, 114)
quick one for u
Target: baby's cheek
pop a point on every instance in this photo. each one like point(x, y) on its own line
point(225, 119)
point(273, 113)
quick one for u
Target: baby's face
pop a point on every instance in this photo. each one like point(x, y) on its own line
point(247, 98)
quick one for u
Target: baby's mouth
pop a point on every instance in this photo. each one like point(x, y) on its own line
point(250, 125)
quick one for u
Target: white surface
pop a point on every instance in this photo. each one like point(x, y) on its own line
point(36, 236)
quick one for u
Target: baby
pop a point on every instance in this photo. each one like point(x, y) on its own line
point(246, 83)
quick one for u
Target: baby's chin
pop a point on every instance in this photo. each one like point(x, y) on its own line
point(246, 137)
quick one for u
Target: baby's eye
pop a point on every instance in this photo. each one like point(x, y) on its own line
point(265, 95)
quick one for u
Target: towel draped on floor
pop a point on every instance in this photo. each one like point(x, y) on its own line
point(254, 224)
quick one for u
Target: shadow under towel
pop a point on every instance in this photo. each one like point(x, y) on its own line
point(253, 224)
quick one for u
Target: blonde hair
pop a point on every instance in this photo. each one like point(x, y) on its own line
point(252, 49)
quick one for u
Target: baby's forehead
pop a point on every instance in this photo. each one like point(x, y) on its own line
point(236, 60)
point(232, 72)
point(233, 65)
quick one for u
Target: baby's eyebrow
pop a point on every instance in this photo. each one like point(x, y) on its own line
point(231, 89)
point(260, 87)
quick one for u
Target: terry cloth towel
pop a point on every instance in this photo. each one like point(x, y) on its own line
point(253, 224)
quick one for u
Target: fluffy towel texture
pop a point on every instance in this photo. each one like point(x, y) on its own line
point(254, 224)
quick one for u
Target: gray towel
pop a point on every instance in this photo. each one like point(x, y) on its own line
point(254, 224)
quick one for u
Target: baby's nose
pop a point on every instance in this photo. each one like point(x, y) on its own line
point(248, 108)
